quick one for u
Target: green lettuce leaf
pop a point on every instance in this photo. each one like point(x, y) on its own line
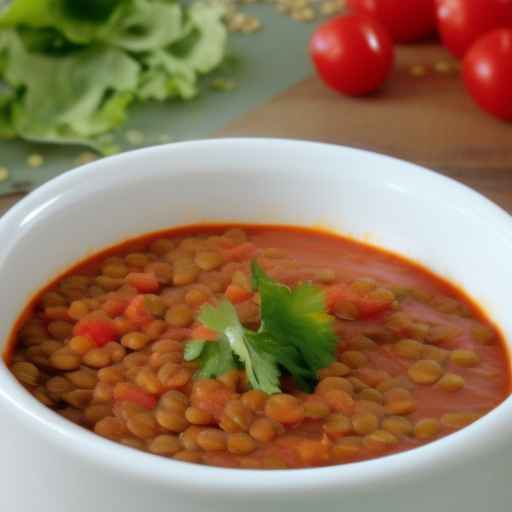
point(72, 98)
point(80, 21)
point(146, 25)
point(173, 71)
point(73, 67)
point(7, 96)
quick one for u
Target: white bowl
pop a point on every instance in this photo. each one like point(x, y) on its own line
point(48, 464)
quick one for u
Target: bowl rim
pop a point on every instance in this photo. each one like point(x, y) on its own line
point(470, 441)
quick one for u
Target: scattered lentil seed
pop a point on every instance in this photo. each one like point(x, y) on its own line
point(135, 137)
point(35, 160)
point(418, 70)
point(444, 67)
point(4, 174)
point(86, 157)
point(223, 85)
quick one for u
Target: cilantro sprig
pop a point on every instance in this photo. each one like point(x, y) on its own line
point(295, 336)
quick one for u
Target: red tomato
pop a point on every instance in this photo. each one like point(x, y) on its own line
point(406, 20)
point(134, 394)
point(99, 328)
point(462, 22)
point(114, 306)
point(236, 294)
point(240, 252)
point(136, 311)
point(352, 54)
point(488, 73)
point(367, 306)
point(144, 282)
point(203, 333)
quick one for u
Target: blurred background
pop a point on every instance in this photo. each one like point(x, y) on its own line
point(429, 81)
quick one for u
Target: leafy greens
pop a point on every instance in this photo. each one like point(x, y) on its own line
point(295, 335)
point(71, 68)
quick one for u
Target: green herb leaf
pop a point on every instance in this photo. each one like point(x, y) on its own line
point(261, 367)
point(214, 357)
point(296, 318)
point(295, 334)
point(286, 356)
point(193, 349)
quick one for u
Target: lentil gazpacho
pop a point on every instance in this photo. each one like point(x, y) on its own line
point(259, 347)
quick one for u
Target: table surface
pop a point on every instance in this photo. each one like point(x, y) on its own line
point(427, 119)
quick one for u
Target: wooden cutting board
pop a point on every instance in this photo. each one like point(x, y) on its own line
point(427, 119)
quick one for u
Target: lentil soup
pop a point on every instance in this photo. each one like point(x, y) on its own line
point(103, 346)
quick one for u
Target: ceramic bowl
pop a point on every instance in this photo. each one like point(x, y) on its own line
point(50, 465)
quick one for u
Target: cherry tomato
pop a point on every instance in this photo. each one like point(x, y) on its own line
point(352, 54)
point(488, 72)
point(462, 22)
point(406, 20)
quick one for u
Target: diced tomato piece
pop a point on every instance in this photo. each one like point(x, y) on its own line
point(366, 305)
point(335, 293)
point(202, 332)
point(240, 252)
point(177, 333)
point(99, 328)
point(114, 306)
point(211, 396)
point(237, 294)
point(136, 311)
point(144, 282)
point(132, 393)
point(370, 307)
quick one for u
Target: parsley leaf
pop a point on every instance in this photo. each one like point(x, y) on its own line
point(215, 358)
point(296, 317)
point(288, 357)
point(295, 334)
point(261, 367)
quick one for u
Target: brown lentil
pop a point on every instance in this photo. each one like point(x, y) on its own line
point(64, 359)
point(426, 428)
point(27, 373)
point(397, 425)
point(451, 382)
point(165, 445)
point(135, 340)
point(464, 358)
point(171, 420)
point(458, 419)
point(425, 371)
point(136, 389)
point(211, 439)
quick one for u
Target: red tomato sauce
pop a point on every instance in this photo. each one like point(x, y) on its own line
point(417, 359)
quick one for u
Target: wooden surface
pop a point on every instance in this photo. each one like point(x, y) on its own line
point(7, 202)
point(428, 119)
point(425, 119)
